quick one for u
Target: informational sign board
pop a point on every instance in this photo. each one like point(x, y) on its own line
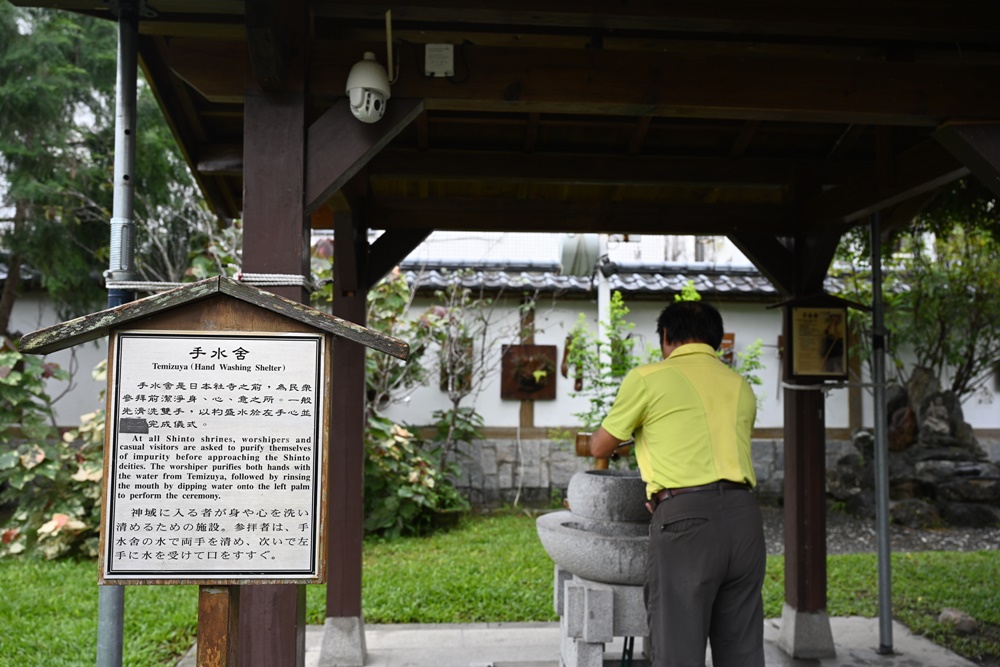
point(216, 463)
point(819, 342)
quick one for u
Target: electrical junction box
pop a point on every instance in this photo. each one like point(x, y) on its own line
point(439, 60)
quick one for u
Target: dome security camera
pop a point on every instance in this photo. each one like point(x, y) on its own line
point(368, 89)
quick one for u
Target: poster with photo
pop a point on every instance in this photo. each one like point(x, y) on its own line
point(819, 342)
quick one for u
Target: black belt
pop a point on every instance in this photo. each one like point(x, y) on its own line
point(721, 485)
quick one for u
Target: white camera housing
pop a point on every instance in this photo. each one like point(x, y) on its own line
point(368, 89)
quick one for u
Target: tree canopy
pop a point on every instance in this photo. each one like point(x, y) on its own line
point(57, 82)
point(941, 289)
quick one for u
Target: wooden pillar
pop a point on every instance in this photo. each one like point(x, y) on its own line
point(527, 415)
point(805, 626)
point(343, 641)
point(805, 510)
point(798, 267)
point(218, 625)
point(275, 240)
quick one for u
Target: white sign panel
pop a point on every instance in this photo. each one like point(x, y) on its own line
point(216, 458)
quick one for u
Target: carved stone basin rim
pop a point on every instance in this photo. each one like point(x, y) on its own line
point(604, 535)
point(605, 551)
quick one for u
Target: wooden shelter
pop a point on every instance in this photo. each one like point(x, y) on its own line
point(779, 124)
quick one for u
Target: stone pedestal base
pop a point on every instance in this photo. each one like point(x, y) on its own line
point(592, 613)
point(343, 642)
point(805, 634)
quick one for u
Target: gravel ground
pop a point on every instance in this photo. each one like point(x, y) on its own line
point(846, 534)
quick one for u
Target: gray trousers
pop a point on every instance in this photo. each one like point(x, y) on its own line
point(707, 559)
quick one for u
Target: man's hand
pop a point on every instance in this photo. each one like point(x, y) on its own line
point(603, 444)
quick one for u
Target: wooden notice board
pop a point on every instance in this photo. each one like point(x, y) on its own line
point(215, 452)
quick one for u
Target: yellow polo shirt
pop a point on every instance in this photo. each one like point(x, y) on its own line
point(692, 418)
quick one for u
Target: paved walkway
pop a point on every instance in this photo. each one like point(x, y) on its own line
point(537, 645)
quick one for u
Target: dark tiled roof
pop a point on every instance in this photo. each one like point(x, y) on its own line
point(724, 281)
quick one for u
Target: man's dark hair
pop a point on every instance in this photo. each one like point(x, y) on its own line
point(690, 321)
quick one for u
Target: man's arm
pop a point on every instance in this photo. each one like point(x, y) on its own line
point(603, 444)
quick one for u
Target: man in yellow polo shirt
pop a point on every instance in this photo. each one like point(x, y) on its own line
point(692, 419)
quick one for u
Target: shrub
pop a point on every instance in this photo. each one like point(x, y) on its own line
point(405, 494)
point(55, 482)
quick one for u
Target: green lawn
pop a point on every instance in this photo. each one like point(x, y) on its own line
point(489, 569)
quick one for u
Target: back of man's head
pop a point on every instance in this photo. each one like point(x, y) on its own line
point(690, 322)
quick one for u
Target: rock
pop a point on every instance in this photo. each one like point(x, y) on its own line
point(844, 480)
point(861, 505)
point(942, 423)
point(926, 452)
point(902, 429)
point(901, 468)
point(896, 397)
point(923, 382)
point(864, 443)
point(970, 489)
point(942, 441)
point(977, 469)
point(935, 470)
point(962, 622)
point(966, 436)
point(903, 490)
point(970, 515)
point(914, 513)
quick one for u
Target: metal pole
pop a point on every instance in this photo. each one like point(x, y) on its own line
point(603, 303)
point(122, 256)
point(111, 599)
point(881, 445)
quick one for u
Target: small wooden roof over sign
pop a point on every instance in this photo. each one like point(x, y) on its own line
point(98, 325)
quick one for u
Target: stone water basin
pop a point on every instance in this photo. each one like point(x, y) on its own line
point(604, 535)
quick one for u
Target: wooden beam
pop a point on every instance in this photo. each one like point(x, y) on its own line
point(746, 135)
point(813, 261)
point(181, 115)
point(509, 214)
point(601, 169)
point(219, 159)
point(921, 169)
point(339, 145)
point(592, 169)
point(959, 20)
point(531, 133)
point(845, 142)
point(266, 45)
point(390, 249)
point(771, 256)
point(901, 215)
point(639, 135)
point(954, 21)
point(658, 84)
point(977, 146)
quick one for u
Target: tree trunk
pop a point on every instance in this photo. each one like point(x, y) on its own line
point(12, 284)
point(9, 294)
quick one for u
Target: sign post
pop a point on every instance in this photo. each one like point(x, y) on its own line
point(215, 448)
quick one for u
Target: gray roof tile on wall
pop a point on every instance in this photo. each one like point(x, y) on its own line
point(737, 282)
